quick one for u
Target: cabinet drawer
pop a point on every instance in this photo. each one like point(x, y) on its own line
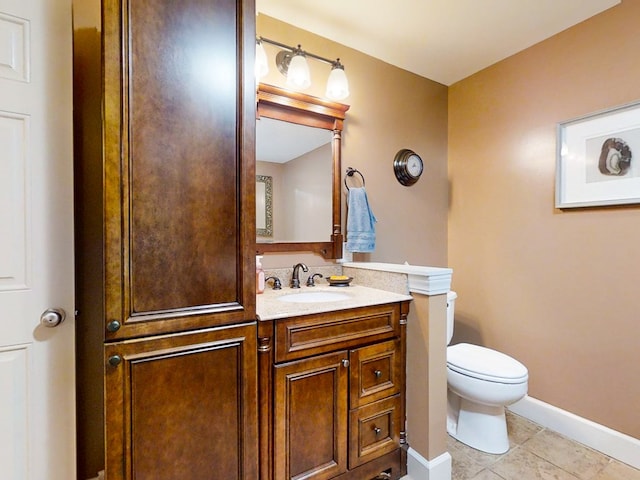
point(374, 430)
point(376, 372)
point(299, 337)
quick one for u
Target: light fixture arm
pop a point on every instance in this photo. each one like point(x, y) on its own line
point(298, 50)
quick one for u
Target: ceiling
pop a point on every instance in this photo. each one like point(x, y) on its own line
point(443, 40)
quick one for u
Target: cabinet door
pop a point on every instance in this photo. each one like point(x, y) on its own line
point(310, 417)
point(179, 165)
point(183, 406)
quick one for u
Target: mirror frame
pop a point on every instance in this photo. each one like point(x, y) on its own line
point(295, 107)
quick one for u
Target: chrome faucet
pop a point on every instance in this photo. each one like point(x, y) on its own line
point(295, 278)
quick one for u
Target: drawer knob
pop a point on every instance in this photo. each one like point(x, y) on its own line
point(377, 430)
point(377, 373)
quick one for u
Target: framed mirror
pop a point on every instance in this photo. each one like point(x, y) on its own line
point(298, 161)
point(298, 145)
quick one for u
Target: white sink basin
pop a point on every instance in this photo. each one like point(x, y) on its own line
point(314, 297)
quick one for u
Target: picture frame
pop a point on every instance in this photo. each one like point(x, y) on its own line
point(264, 206)
point(598, 159)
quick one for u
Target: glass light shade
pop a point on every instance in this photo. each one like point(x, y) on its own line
point(298, 76)
point(262, 65)
point(337, 84)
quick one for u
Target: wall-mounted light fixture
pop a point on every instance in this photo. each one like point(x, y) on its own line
point(292, 62)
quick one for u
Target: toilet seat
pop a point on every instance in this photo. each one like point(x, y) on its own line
point(485, 364)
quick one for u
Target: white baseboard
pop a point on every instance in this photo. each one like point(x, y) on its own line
point(610, 442)
point(419, 468)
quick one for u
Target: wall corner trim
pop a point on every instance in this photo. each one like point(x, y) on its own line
point(419, 468)
point(623, 448)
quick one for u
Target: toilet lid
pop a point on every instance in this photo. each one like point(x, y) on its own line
point(485, 364)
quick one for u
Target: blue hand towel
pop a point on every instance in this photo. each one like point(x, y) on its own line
point(361, 232)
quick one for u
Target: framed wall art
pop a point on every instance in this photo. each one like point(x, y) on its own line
point(598, 159)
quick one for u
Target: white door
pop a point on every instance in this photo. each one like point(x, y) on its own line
point(37, 394)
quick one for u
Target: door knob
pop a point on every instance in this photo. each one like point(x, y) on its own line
point(52, 317)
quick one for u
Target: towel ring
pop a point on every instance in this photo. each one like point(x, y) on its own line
point(350, 172)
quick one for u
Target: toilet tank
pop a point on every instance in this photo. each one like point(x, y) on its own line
point(451, 303)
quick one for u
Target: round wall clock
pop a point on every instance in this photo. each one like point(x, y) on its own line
point(408, 166)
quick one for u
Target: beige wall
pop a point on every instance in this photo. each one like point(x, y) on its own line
point(309, 180)
point(556, 289)
point(390, 109)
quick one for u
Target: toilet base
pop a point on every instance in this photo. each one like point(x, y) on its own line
point(483, 427)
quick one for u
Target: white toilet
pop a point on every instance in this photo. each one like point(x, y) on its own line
point(481, 382)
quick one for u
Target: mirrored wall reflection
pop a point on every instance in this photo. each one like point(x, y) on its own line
point(299, 160)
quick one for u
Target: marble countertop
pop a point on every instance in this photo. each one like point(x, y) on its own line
point(268, 306)
point(421, 279)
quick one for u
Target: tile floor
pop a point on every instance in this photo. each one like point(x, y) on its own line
point(536, 453)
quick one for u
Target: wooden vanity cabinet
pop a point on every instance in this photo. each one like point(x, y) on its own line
point(164, 105)
point(332, 394)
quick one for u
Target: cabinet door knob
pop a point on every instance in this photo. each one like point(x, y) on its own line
point(115, 360)
point(345, 362)
point(113, 326)
point(377, 373)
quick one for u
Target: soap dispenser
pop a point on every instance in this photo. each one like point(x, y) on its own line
point(259, 275)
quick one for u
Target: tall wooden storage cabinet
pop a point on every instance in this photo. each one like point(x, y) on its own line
point(165, 195)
